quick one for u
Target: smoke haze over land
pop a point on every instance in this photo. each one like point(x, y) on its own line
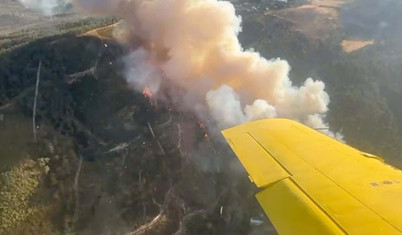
point(47, 7)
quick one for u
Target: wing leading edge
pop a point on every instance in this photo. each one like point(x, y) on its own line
point(313, 184)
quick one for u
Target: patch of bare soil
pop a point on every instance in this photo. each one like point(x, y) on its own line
point(104, 33)
point(354, 45)
point(318, 20)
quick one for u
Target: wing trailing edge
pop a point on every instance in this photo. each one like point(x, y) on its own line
point(313, 184)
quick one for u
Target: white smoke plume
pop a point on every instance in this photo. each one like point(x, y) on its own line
point(190, 41)
point(140, 73)
point(47, 7)
point(226, 109)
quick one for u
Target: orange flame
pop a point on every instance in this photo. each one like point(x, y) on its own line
point(202, 126)
point(204, 129)
point(147, 93)
point(149, 96)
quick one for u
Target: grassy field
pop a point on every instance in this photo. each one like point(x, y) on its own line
point(19, 25)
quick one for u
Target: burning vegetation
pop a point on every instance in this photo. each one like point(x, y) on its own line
point(118, 161)
point(130, 125)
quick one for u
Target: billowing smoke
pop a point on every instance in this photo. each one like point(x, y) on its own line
point(140, 73)
point(194, 44)
point(47, 7)
point(225, 107)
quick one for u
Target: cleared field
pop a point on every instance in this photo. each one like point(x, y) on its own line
point(14, 18)
point(317, 20)
point(19, 25)
point(354, 45)
point(105, 32)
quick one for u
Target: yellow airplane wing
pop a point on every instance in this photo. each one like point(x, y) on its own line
point(313, 184)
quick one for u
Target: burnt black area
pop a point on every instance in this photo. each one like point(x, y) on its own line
point(132, 167)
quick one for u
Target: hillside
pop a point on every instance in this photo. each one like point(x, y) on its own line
point(362, 77)
point(108, 159)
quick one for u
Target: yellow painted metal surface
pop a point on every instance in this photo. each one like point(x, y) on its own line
point(356, 191)
point(283, 201)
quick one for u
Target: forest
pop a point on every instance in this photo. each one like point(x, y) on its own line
point(100, 158)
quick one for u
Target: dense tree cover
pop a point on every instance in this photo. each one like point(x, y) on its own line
point(372, 19)
point(360, 108)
